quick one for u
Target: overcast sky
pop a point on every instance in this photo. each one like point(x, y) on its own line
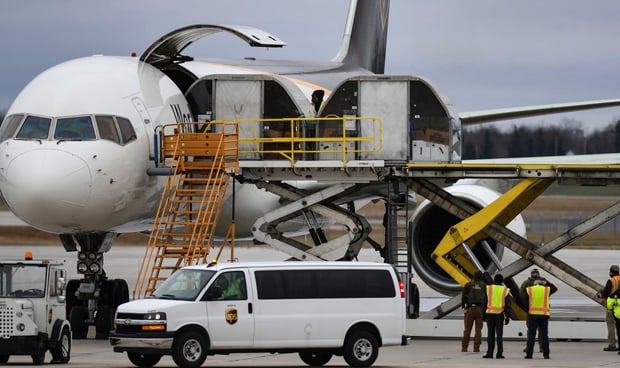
point(482, 54)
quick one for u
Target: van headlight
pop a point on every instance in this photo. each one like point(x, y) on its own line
point(154, 322)
point(158, 316)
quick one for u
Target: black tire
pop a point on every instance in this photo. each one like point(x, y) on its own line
point(4, 358)
point(414, 300)
point(103, 322)
point(360, 349)
point(315, 358)
point(143, 360)
point(122, 292)
point(70, 299)
point(189, 349)
point(61, 353)
point(39, 357)
point(77, 318)
point(107, 293)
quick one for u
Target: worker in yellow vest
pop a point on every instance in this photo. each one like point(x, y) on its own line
point(538, 315)
point(498, 302)
point(612, 285)
point(613, 305)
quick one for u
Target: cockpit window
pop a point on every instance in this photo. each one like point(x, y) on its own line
point(34, 127)
point(75, 128)
point(127, 132)
point(107, 129)
point(8, 128)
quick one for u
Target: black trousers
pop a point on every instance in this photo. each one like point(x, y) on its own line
point(495, 329)
point(617, 330)
point(541, 324)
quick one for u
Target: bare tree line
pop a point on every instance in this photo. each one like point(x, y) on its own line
point(568, 138)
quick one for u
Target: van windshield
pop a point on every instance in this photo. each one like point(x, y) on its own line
point(185, 284)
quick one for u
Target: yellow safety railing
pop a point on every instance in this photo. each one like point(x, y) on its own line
point(292, 139)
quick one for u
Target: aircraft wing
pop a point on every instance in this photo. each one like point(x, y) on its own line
point(487, 116)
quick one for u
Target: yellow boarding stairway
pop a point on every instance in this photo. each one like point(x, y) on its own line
point(199, 166)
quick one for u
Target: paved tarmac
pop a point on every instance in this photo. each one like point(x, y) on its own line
point(426, 353)
point(123, 262)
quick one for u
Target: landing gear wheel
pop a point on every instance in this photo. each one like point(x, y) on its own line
point(77, 318)
point(143, 360)
point(107, 293)
point(360, 349)
point(122, 292)
point(189, 349)
point(4, 358)
point(315, 359)
point(70, 299)
point(39, 357)
point(62, 352)
point(103, 322)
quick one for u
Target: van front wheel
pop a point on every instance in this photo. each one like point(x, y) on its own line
point(315, 359)
point(189, 349)
point(143, 360)
point(360, 349)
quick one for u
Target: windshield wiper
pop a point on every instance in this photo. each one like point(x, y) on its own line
point(167, 296)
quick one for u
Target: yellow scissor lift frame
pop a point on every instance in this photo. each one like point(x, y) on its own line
point(200, 165)
point(454, 252)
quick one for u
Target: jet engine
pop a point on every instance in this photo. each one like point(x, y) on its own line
point(429, 224)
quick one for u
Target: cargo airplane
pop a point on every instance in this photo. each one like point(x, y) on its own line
point(76, 144)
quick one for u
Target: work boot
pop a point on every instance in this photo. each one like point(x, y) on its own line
point(610, 348)
point(488, 356)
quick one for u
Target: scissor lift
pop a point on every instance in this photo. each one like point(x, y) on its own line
point(410, 135)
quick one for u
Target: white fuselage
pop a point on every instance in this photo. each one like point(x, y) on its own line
point(98, 185)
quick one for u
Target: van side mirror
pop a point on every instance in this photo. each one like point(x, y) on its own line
point(60, 284)
point(214, 293)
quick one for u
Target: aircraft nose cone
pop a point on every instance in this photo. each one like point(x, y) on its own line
point(47, 187)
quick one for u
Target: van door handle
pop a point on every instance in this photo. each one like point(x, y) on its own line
point(250, 308)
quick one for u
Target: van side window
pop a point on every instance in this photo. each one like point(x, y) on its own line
point(232, 286)
point(324, 284)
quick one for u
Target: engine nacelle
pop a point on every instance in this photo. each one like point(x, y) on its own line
point(430, 223)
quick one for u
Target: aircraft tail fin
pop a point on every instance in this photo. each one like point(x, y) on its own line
point(365, 36)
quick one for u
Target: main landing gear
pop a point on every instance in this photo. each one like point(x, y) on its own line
point(92, 300)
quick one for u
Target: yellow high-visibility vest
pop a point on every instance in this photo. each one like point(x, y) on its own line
point(615, 283)
point(538, 296)
point(496, 298)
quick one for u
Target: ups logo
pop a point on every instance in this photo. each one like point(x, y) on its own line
point(231, 315)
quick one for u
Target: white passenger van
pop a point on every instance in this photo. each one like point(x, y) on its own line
point(317, 309)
